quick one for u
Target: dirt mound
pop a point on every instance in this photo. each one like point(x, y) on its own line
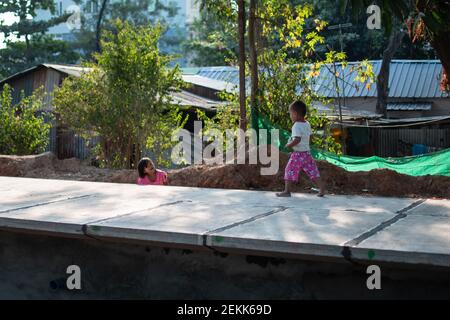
point(380, 182)
point(47, 166)
point(18, 166)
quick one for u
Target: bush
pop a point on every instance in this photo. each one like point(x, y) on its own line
point(125, 98)
point(23, 130)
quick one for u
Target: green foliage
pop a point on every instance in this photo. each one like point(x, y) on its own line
point(32, 45)
point(288, 64)
point(214, 41)
point(26, 9)
point(424, 19)
point(125, 98)
point(226, 117)
point(136, 13)
point(17, 56)
point(159, 142)
point(22, 127)
point(289, 73)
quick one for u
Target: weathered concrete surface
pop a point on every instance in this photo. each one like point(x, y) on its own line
point(31, 266)
point(304, 239)
point(426, 229)
point(407, 231)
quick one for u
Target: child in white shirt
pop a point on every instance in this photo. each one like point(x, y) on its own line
point(301, 158)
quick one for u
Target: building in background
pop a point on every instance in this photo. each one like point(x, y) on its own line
point(418, 112)
point(63, 141)
point(61, 31)
point(177, 26)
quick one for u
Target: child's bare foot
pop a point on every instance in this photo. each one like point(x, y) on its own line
point(321, 192)
point(284, 194)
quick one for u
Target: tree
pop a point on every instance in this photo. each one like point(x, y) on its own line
point(27, 27)
point(359, 42)
point(425, 19)
point(33, 46)
point(253, 54)
point(126, 97)
point(213, 40)
point(136, 12)
point(242, 97)
point(284, 62)
point(23, 129)
point(42, 49)
point(383, 77)
point(99, 24)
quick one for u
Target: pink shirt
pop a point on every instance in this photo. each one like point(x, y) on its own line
point(161, 177)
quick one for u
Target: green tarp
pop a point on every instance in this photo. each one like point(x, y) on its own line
point(437, 163)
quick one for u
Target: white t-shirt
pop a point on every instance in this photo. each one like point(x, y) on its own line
point(302, 130)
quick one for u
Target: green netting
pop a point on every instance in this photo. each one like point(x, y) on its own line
point(437, 163)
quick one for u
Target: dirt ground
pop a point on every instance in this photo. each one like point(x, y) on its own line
point(380, 182)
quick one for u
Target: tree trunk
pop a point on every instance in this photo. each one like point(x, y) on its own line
point(242, 98)
point(99, 25)
point(395, 41)
point(253, 55)
point(28, 48)
point(441, 45)
point(137, 154)
point(440, 35)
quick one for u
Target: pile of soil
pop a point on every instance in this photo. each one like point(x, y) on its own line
point(381, 182)
point(48, 166)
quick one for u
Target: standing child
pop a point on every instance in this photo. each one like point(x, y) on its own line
point(149, 175)
point(300, 158)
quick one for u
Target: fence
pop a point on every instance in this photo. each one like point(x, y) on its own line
point(66, 143)
point(399, 141)
point(388, 142)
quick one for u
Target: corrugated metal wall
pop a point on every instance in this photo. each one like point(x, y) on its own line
point(70, 145)
point(51, 145)
point(52, 81)
point(395, 142)
point(387, 142)
point(67, 144)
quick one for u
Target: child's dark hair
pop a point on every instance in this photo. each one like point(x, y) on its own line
point(143, 163)
point(299, 107)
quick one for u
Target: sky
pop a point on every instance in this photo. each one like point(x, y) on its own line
point(7, 19)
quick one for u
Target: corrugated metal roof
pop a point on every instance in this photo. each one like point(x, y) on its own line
point(420, 119)
point(332, 111)
point(409, 106)
point(212, 83)
point(184, 98)
point(67, 69)
point(190, 70)
point(407, 79)
point(20, 73)
point(227, 74)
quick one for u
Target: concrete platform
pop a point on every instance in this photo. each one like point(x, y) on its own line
point(347, 228)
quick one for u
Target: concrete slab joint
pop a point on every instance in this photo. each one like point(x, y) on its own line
point(351, 228)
